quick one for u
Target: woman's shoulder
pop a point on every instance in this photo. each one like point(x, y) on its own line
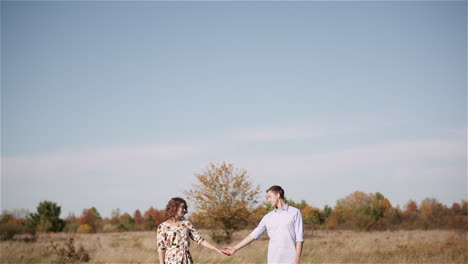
point(163, 225)
point(187, 223)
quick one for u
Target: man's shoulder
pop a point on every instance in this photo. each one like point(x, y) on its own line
point(268, 215)
point(293, 209)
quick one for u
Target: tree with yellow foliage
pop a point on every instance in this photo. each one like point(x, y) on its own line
point(224, 198)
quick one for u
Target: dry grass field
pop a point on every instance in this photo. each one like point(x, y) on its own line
point(320, 247)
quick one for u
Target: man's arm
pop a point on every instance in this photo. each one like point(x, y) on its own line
point(299, 230)
point(231, 250)
point(256, 233)
point(297, 259)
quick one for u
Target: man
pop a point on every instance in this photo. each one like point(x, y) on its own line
point(285, 229)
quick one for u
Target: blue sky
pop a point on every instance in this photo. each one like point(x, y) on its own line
point(118, 104)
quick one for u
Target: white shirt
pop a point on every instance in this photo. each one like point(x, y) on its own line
point(285, 228)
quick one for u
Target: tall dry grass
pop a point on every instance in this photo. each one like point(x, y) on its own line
point(433, 246)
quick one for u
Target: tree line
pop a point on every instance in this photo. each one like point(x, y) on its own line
point(357, 211)
point(225, 200)
point(47, 219)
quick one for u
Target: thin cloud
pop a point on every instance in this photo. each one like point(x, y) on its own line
point(154, 172)
point(100, 167)
point(388, 156)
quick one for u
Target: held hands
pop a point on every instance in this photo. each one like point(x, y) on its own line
point(229, 251)
point(220, 251)
point(224, 251)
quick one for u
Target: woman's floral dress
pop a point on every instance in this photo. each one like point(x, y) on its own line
point(174, 240)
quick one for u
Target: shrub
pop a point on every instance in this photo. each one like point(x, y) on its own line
point(122, 228)
point(109, 228)
point(84, 229)
point(9, 230)
point(68, 253)
point(70, 228)
point(220, 237)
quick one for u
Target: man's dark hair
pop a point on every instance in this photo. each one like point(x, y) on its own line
point(277, 189)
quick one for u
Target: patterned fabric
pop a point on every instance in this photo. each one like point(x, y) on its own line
point(174, 240)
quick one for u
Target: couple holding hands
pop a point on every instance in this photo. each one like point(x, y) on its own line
point(284, 226)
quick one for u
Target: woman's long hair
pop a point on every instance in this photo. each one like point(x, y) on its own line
point(172, 207)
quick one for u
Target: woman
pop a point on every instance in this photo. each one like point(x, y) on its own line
point(173, 235)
